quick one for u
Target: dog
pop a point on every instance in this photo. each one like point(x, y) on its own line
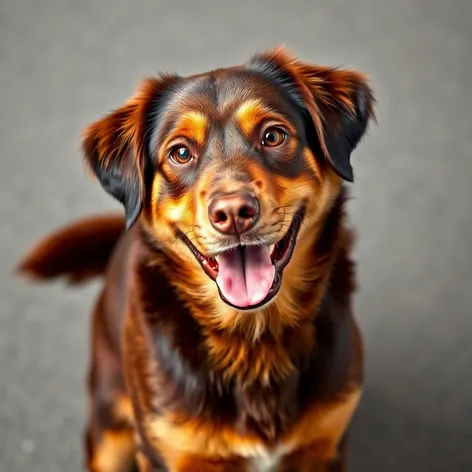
point(224, 337)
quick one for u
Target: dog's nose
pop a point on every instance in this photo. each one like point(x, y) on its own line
point(234, 213)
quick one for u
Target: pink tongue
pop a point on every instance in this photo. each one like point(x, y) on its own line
point(245, 276)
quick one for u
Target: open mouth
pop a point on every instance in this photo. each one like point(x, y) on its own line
point(249, 276)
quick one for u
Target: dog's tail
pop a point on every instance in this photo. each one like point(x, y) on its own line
point(77, 252)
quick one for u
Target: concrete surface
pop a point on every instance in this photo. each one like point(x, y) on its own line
point(63, 63)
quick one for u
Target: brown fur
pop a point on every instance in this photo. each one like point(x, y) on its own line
point(179, 380)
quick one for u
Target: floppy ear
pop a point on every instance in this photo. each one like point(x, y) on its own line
point(116, 146)
point(338, 104)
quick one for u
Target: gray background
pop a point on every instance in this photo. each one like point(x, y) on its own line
point(64, 63)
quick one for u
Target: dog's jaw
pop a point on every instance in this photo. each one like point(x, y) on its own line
point(236, 278)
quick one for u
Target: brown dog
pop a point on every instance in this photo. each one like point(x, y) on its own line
point(223, 339)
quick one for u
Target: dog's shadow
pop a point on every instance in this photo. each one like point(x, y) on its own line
point(387, 438)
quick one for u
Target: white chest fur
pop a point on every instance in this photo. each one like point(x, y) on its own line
point(262, 459)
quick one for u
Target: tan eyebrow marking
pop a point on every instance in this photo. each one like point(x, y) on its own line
point(250, 113)
point(253, 111)
point(192, 125)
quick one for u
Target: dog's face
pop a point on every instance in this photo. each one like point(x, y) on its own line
point(232, 169)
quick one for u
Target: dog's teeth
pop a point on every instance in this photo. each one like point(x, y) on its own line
point(271, 248)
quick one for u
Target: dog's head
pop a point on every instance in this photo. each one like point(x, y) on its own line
point(232, 169)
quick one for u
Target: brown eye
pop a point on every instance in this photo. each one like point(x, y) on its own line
point(274, 137)
point(181, 155)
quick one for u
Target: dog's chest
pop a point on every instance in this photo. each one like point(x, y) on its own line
point(263, 459)
point(316, 435)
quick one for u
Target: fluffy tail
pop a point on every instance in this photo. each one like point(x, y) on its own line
point(78, 251)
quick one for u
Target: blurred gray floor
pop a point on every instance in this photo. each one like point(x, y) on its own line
point(64, 63)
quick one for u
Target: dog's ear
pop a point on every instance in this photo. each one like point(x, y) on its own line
point(338, 104)
point(115, 147)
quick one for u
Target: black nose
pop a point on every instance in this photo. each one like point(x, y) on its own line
point(234, 213)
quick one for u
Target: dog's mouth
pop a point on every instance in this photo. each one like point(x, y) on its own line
point(250, 276)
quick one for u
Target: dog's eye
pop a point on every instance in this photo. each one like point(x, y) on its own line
point(274, 137)
point(181, 155)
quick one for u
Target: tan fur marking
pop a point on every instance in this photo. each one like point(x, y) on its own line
point(123, 410)
point(251, 112)
point(115, 452)
point(190, 436)
point(193, 126)
point(177, 211)
point(325, 424)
